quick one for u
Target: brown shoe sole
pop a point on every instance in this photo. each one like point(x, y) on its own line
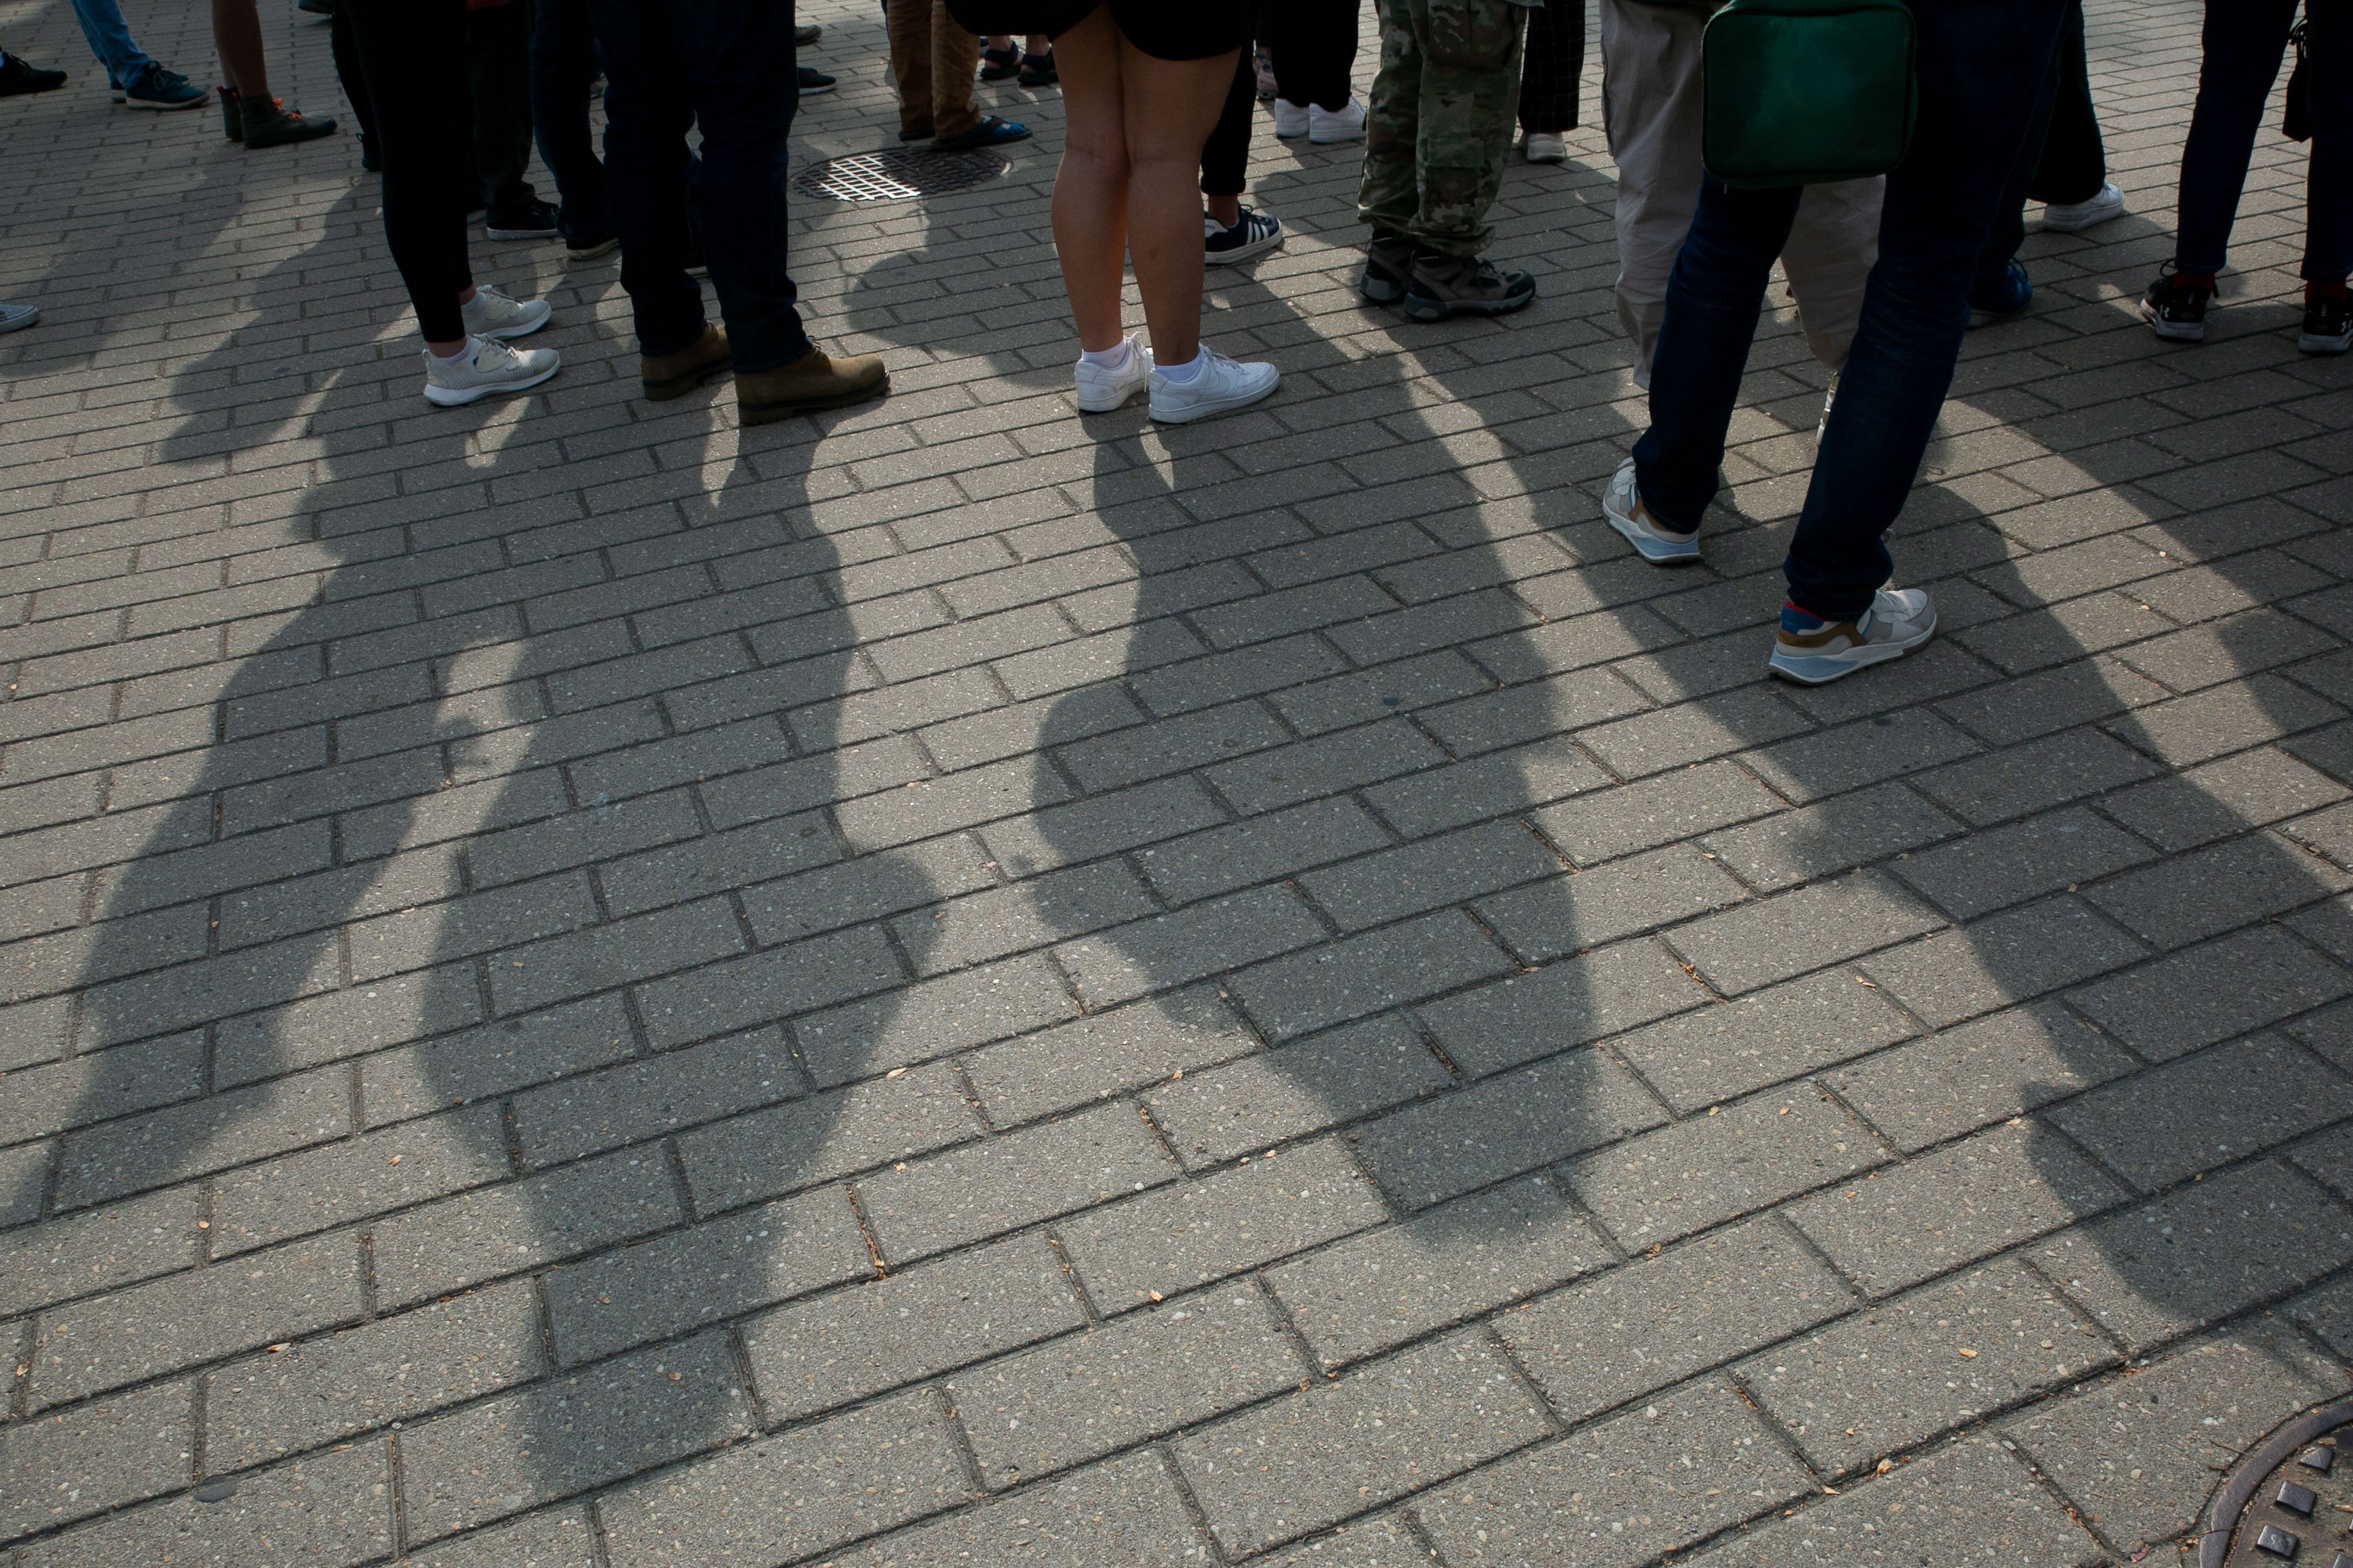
point(679, 385)
point(785, 408)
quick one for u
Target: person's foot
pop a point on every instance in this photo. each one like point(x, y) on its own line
point(1217, 386)
point(665, 377)
point(989, 133)
point(2327, 324)
point(1262, 64)
point(1621, 503)
point(1327, 126)
point(536, 220)
point(272, 125)
point(805, 34)
point(491, 315)
point(1001, 65)
point(371, 160)
point(697, 264)
point(2175, 305)
point(16, 318)
point(2008, 296)
point(1812, 651)
point(810, 382)
point(159, 89)
point(1544, 147)
point(1388, 267)
point(1104, 387)
point(1039, 70)
point(2073, 217)
point(487, 368)
point(1290, 118)
point(16, 77)
point(812, 82)
point(589, 248)
point(1443, 286)
point(917, 133)
point(1254, 234)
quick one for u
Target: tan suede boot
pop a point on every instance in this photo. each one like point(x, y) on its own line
point(670, 375)
point(812, 381)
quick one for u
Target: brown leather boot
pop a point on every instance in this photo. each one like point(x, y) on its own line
point(812, 381)
point(670, 375)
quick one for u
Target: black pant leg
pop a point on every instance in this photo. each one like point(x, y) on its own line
point(497, 78)
point(412, 56)
point(346, 51)
point(1314, 48)
point(1225, 156)
point(2074, 163)
point(1553, 63)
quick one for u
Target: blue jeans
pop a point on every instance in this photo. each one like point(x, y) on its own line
point(562, 64)
point(1982, 66)
point(727, 65)
point(110, 40)
point(2244, 40)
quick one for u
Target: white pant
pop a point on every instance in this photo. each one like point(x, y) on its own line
point(1651, 110)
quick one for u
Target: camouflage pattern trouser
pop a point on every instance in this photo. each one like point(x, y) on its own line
point(1439, 124)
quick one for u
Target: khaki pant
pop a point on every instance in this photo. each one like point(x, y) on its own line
point(933, 59)
point(1651, 110)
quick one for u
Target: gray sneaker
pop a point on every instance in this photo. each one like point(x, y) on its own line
point(487, 368)
point(16, 318)
point(1812, 652)
point(491, 315)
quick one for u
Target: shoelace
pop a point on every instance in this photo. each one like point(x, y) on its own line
point(493, 356)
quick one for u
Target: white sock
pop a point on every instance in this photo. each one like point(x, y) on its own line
point(463, 350)
point(1108, 359)
point(1191, 371)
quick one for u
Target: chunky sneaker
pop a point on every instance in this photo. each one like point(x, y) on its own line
point(533, 220)
point(272, 125)
point(2004, 299)
point(1444, 286)
point(1103, 389)
point(2073, 217)
point(161, 88)
point(16, 77)
point(1253, 234)
point(487, 368)
point(1811, 651)
point(1328, 126)
point(1221, 386)
point(1290, 118)
point(491, 314)
point(1660, 545)
point(2174, 306)
point(1388, 267)
point(2327, 324)
point(16, 318)
point(1544, 147)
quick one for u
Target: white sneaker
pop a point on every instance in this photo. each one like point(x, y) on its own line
point(1290, 118)
point(1222, 386)
point(1102, 389)
point(1544, 147)
point(2070, 217)
point(487, 368)
point(1899, 620)
point(1325, 126)
point(1621, 503)
point(491, 314)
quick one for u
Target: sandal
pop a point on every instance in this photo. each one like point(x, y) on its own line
point(1037, 70)
point(987, 134)
point(997, 64)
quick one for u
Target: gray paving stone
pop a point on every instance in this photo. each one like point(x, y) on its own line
point(489, 1062)
point(1101, 825)
point(825, 1136)
point(848, 1344)
point(2138, 1454)
point(1432, 873)
point(1562, 1004)
point(1124, 1513)
point(556, 1538)
point(944, 1199)
point(1328, 764)
point(2190, 999)
point(759, 988)
point(1369, 972)
point(2014, 956)
point(2220, 798)
point(1620, 1493)
point(1104, 1054)
point(318, 1390)
point(2034, 776)
point(1695, 731)
point(986, 925)
point(200, 1136)
point(459, 1241)
point(101, 1249)
point(331, 1511)
point(1811, 767)
point(1331, 1450)
point(1497, 784)
point(2207, 892)
point(1822, 923)
point(1270, 1097)
point(1891, 1376)
point(1138, 1376)
point(2003, 866)
point(1248, 1214)
point(1568, 914)
point(97, 1457)
point(644, 1099)
point(1383, 1542)
point(1128, 962)
point(1221, 859)
point(1702, 1058)
point(1657, 810)
point(102, 1084)
point(2171, 1122)
point(913, 1024)
point(1963, 1078)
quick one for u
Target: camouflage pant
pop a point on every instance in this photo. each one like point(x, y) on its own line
point(1439, 123)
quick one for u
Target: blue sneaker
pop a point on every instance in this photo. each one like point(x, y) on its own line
point(161, 88)
point(1621, 503)
point(2005, 299)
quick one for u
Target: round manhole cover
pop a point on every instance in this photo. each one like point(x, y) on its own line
point(2290, 1501)
point(899, 174)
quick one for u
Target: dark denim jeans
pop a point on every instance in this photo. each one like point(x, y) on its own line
point(727, 65)
point(562, 64)
point(1982, 65)
point(2244, 42)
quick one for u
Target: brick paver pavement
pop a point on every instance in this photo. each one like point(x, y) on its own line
point(942, 985)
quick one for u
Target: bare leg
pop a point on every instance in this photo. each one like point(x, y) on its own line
point(1090, 188)
point(1171, 106)
point(1226, 210)
point(237, 34)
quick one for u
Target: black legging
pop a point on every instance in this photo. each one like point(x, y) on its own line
point(1552, 63)
point(1225, 156)
point(412, 54)
point(346, 50)
point(1315, 47)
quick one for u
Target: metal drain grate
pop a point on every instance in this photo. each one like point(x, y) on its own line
point(2292, 1492)
point(899, 174)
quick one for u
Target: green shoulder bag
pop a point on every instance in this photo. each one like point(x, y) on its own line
point(1802, 93)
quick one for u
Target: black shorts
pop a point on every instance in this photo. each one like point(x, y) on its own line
point(1181, 30)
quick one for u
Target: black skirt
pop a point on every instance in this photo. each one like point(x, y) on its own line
point(1180, 29)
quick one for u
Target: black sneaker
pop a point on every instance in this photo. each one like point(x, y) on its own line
point(1445, 286)
point(813, 82)
point(1388, 267)
point(589, 248)
point(536, 221)
point(2176, 309)
point(2328, 325)
point(16, 77)
point(1253, 234)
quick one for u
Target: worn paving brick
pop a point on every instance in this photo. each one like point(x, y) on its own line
point(1102, 1054)
point(203, 1135)
point(1568, 914)
point(644, 1099)
point(2014, 956)
point(2170, 1122)
point(1823, 923)
point(1657, 810)
point(824, 1136)
point(913, 1024)
point(1699, 1059)
point(1126, 1512)
point(96, 1456)
point(1370, 973)
point(1958, 1081)
point(1828, 838)
point(2209, 994)
point(1562, 1004)
point(1270, 1097)
point(504, 1229)
point(1128, 962)
point(333, 1509)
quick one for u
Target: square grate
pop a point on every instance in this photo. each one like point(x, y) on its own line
point(899, 174)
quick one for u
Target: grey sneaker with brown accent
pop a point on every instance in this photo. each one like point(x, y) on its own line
point(1444, 286)
point(1812, 651)
point(810, 382)
point(670, 375)
point(1388, 267)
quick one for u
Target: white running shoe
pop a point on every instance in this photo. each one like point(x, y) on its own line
point(1544, 147)
point(487, 368)
point(1222, 386)
point(1621, 503)
point(2072, 217)
point(1346, 123)
point(1899, 620)
point(1290, 118)
point(491, 314)
point(1101, 390)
